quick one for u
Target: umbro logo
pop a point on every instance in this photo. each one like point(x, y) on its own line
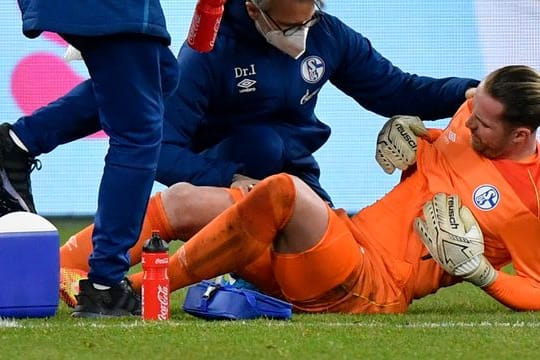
point(246, 85)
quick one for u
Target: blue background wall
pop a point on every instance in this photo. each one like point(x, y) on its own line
point(429, 37)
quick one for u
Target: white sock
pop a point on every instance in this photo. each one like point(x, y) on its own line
point(17, 141)
point(101, 287)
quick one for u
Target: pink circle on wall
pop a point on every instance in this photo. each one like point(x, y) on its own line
point(41, 78)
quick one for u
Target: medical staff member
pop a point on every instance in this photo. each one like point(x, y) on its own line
point(125, 48)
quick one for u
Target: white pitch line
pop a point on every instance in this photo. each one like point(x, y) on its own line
point(10, 323)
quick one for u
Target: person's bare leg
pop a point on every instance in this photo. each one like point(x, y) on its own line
point(177, 213)
point(189, 208)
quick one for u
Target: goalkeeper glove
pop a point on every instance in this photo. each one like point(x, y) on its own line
point(454, 239)
point(396, 142)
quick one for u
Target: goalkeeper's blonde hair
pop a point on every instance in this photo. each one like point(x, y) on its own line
point(517, 88)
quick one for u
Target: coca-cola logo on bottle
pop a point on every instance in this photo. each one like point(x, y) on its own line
point(163, 299)
point(161, 261)
point(214, 35)
point(194, 28)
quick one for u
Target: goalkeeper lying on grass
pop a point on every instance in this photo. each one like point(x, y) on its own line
point(283, 238)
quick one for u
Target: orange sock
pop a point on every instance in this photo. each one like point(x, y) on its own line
point(136, 279)
point(155, 219)
point(75, 252)
point(238, 236)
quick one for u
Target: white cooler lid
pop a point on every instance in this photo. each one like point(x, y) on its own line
point(24, 221)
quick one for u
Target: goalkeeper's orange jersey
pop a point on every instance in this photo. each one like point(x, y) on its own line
point(508, 217)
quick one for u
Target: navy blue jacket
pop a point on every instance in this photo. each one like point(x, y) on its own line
point(246, 81)
point(93, 17)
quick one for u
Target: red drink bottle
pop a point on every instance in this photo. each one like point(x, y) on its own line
point(155, 284)
point(205, 24)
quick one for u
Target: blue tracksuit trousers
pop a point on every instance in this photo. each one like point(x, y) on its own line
point(131, 75)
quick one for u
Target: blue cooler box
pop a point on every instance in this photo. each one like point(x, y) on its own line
point(29, 266)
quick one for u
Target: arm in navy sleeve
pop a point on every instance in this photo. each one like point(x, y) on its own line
point(184, 114)
point(379, 86)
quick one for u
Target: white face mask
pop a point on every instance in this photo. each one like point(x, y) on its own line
point(293, 45)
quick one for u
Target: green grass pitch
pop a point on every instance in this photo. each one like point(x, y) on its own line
point(456, 323)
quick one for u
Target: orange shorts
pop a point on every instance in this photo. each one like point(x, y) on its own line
point(336, 275)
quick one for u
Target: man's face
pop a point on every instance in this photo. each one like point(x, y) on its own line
point(490, 136)
point(284, 14)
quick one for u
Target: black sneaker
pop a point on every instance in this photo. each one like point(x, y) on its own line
point(119, 300)
point(17, 165)
point(10, 200)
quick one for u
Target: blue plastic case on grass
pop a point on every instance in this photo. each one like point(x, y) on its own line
point(29, 266)
point(212, 301)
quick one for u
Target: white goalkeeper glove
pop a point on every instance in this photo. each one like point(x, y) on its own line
point(454, 239)
point(396, 142)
